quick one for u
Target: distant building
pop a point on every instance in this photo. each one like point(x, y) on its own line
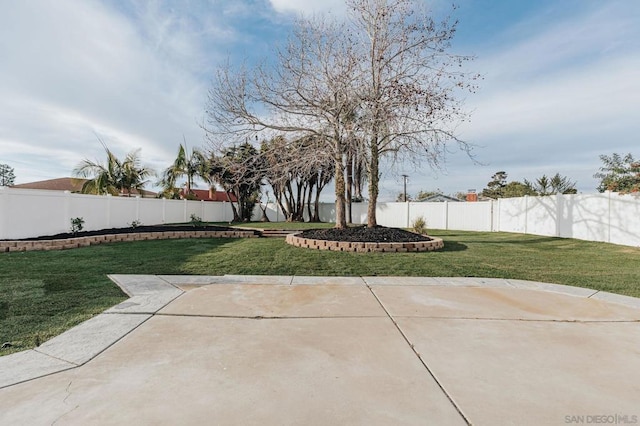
point(439, 198)
point(472, 196)
point(59, 184)
point(69, 184)
point(209, 195)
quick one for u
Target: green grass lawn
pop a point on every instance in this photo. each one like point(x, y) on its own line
point(45, 293)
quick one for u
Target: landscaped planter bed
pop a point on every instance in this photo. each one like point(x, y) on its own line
point(365, 240)
point(89, 238)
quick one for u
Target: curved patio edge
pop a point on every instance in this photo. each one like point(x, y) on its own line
point(150, 293)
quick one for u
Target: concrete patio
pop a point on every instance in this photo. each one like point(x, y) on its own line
point(274, 350)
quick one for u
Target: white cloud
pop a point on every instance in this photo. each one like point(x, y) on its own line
point(75, 69)
point(560, 88)
point(553, 101)
point(309, 7)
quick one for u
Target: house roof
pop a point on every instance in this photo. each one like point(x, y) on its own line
point(439, 198)
point(66, 184)
point(210, 195)
point(59, 184)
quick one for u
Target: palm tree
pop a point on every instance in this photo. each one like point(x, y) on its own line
point(189, 166)
point(113, 177)
point(134, 175)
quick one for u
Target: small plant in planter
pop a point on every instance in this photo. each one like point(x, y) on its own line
point(77, 223)
point(196, 221)
point(419, 226)
point(135, 223)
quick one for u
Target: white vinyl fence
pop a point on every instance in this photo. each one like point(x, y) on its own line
point(607, 217)
point(26, 213)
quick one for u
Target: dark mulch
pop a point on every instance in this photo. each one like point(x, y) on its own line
point(363, 234)
point(157, 228)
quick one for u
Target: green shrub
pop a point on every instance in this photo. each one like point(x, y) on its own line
point(77, 223)
point(419, 226)
point(196, 221)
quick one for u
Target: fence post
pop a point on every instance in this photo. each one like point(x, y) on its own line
point(408, 220)
point(559, 212)
point(67, 209)
point(4, 202)
point(526, 212)
point(184, 209)
point(491, 216)
point(109, 210)
point(609, 216)
point(446, 215)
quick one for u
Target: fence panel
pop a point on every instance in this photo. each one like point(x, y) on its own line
point(393, 214)
point(597, 217)
point(624, 219)
point(26, 214)
point(120, 211)
point(435, 214)
point(587, 217)
point(512, 215)
point(542, 215)
point(150, 211)
point(469, 216)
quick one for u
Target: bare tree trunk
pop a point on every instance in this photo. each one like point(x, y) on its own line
point(316, 206)
point(374, 178)
point(358, 177)
point(341, 219)
point(349, 186)
point(236, 217)
point(279, 201)
point(308, 201)
point(299, 217)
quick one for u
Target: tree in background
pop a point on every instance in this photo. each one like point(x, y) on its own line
point(114, 177)
point(551, 186)
point(7, 176)
point(239, 171)
point(499, 188)
point(296, 170)
point(187, 166)
point(619, 174)
point(400, 198)
point(496, 186)
point(516, 189)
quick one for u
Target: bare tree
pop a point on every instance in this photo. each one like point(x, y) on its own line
point(306, 93)
point(380, 83)
point(295, 170)
point(409, 84)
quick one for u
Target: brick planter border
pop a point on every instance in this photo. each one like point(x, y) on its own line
point(420, 246)
point(69, 243)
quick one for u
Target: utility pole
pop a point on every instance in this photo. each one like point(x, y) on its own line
point(405, 187)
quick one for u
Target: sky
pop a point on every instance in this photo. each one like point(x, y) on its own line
point(560, 82)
